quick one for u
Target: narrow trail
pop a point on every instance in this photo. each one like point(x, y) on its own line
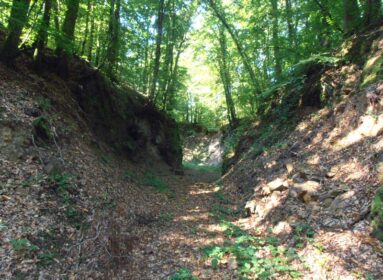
point(174, 240)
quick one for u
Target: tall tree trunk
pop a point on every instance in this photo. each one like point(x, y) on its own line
point(225, 77)
point(56, 20)
point(69, 25)
point(351, 19)
point(276, 42)
point(372, 11)
point(169, 57)
point(292, 32)
point(42, 35)
point(91, 35)
point(88, 14)
point(17, 20)
point(245, 58)
point(114, 37)
point(156, 68)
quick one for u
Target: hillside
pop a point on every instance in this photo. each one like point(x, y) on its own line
point(186, 140)
point(69, 152)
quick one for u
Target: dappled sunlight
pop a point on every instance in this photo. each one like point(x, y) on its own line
point(200, 191)
point(370, 126)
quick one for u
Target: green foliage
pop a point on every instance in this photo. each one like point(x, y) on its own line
point(166, 217)
point(66, 191)
point(46, 258)
point(183, 274)
point(150, 179)
point(42, 128)
point(33, 180)
point(302, 233)
point(244, 248)
point(202, 167)
point(222, 198)
point(377, 214)
point(43, 103)
point(23, 246)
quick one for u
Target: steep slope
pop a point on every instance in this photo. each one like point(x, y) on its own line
point(75, 157)
point(315, 187)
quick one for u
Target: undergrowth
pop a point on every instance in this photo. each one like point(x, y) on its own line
point(256, 258)
point(202, 167)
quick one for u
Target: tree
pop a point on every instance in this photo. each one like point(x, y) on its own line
point(156, 67)
point(351, 16)
point(372, 11)
point(225, 76)
point(65, 42)
point(17, 20)
point(42, 35)
point(245, 58)
point(114, 37)
point(276, 44)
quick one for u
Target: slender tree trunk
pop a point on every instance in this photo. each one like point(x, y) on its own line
point(69, 25)
point(145, 70)
point(169, 58)
point(226, 78)
point(351, 16)
point(56, 20)
point(276, 41)
point(156, 69)
point(17, 20)
point(372, 11)
point(91, 35)
point(88, 14)
point(245, 58)
point(292, 32)
point(42, 35)
point(114, 37)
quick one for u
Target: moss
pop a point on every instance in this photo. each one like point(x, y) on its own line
point(377, 214)
point(373, 70)
point(42, 128)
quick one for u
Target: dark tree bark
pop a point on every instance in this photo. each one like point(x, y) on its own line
point(292, 32)
point(17, 20)
point(91, 38)
point(42, 35)
point(372, 11)
point(276, 43)
point(69, 25)
point(156, 68)
point(114, 37)
point(225, 77)
point(351, 16)
point(88, 15)
point(245, 58)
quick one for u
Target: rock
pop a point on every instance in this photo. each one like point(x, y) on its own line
point(250, 208)
point(277, 185)
point(327, 202)
point(232, 264)
point(32, 112)
point(290, 167)
point(308, 186)
point(299, 177)
point(282, 228)
point(333, 171)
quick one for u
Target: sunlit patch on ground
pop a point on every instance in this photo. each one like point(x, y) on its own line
point(370, 126)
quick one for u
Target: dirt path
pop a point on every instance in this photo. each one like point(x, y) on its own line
point(174, 239)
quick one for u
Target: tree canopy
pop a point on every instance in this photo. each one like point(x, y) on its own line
point(206, 61)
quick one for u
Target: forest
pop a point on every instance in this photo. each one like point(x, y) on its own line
point(191, 139)
point(205, 62)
